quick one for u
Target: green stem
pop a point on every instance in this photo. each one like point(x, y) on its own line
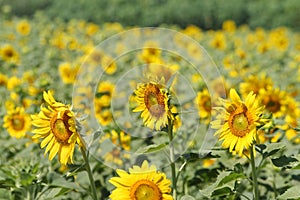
point(172, 159)
point(90, 174)
point(254, 174)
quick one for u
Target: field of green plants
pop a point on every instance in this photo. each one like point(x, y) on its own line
point(106, 111)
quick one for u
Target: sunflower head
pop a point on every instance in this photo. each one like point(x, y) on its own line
point(56, 125)
point(141, 183)
point(23, 27)
point(237, 125)
point(17, 122)
point(9, 54)
point(153, 103)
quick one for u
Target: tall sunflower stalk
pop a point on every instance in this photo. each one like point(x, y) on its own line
point(56, 125)
point(237, 127)
point(153, 101)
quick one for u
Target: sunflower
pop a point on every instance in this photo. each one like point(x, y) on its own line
point(255, 83)
point(17, 122)
point(203, 103)
point(9, 54)
point(153, 102)
point(23, 27)
point(56, 125)
point(141, 183)
point(237, 126)
point(275, 100)
point(67, 72)
point(219, 41)
point(108, 64)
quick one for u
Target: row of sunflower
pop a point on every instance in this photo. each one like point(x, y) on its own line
point(152, 119)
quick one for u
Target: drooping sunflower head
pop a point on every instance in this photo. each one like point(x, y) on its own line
point(237, 125)
point(141, 183)
point(56, 125)
point(152, 102)
point(17, 122)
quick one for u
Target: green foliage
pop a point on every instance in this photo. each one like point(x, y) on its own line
point(207, 14)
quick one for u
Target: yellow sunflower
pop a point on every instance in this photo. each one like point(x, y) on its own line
point(255, 83)
point(274, 100)
point(152, 101)
point(67, 72)
point(237, 126)
point(56, 125)
point(23, 27)
point(203, 103)
point(9, 54)
point(17, 122)
point(141, 183)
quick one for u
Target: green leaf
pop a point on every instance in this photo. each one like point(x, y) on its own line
point(283, 161)
point(231, 177)
point(210, 189)
point(221, 192)
point(151, 148)
point(273, 148)
point(291, 193)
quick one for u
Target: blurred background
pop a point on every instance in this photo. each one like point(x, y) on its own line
point(207, 14)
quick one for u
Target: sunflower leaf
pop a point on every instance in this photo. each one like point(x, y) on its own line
point(272, 149)
point(283, 161)
point(291, 193)
point(151, 148)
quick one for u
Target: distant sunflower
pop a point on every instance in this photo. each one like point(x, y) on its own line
point(141, 183)
point(153, 103)
point(255, 83)
point(56, 125)
point(9, 54)
point(274, 100)
point(67, 72)
point(203, 103)
point(17, 122)
point(237, 126)
point(23, 27)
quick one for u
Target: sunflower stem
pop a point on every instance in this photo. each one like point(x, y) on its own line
point(254, 173)
point(172, 159)
point(90, 174)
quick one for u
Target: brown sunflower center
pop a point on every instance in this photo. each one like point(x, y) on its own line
point(207, 104)
point(60, 127)
point(273, 105)
point(154, 101)
point(9, 53)
point(145, 190)
point(18, 122)
point(239, 121)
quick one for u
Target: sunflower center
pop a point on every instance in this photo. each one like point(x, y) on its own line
point(145, 190)
point(154, 101)
point(207, 104)
point(18, 123)
point(239, 121)
point(60, 127)
point(9, 53)
point(273, 105)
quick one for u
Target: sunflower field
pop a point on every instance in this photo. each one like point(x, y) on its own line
point(116, 112)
